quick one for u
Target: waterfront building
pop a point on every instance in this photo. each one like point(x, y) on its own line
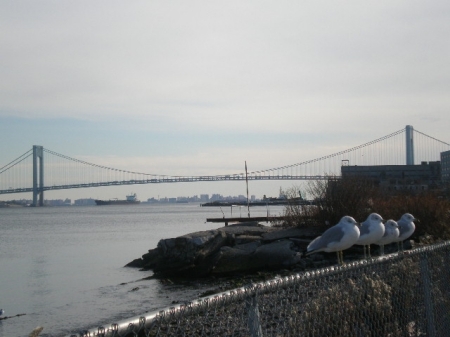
point(425, 176)
point(58, 202)
point(445, 166)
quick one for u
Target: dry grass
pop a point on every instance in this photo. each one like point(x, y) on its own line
point(432, 211)
point(359, 197)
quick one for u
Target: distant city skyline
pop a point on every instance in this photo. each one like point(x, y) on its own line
point(202, 198)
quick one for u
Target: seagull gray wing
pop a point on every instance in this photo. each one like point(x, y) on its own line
point(333, 234)
point(402, 226)
point(364, 229)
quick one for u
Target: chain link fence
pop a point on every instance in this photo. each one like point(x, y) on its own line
point(406, 294)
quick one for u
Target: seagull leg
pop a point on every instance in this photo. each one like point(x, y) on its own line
point(400, 246)
point(338, 258)
point(368, 251)
point(364, 248)
point(341, 257)
point(381, 250)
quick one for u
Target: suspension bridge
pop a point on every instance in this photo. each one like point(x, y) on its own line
point(40, 169)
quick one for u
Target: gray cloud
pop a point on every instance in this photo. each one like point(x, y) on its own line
point(285, 66)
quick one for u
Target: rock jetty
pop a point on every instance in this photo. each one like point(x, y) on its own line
point(237, 248)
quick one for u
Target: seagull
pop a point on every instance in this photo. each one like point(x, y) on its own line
point(371, 231)
point(336, 239)
point(406, 227)
point(390, 235)
point(2, 312)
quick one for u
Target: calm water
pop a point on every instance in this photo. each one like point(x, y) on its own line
point(63, 266)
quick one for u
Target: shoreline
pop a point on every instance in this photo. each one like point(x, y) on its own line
point(277, 202)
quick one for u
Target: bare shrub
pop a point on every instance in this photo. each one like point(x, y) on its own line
point(333, 198)
point(298, 214)
point(432, 211)
point(358, 197)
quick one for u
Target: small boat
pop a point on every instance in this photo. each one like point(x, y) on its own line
point(130, 200)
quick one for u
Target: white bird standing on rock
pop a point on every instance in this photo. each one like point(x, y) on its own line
point(371, 231)
point(406, 227)
point(336, 239)
point(391, 234)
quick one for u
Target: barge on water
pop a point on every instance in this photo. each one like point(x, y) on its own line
point(130, 200)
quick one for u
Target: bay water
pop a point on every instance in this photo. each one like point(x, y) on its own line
point(62, 268)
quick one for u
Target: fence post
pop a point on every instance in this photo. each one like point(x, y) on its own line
point(428, 297)
point(254, 324)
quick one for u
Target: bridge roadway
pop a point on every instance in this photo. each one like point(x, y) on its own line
point(166, 180)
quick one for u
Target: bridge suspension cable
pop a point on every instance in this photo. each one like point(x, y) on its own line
point(374, 152)
point(428, 148)
point(16, 161)
point(17, 174)
point(64, 172)
point(437, 140)
point(337, 153)
point(98, 166)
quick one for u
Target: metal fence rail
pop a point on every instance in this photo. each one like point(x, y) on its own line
point(405, 294)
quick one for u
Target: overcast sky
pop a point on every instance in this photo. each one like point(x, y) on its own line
point(199, 87)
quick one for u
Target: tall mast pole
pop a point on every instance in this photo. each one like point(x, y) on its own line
point(246, 181)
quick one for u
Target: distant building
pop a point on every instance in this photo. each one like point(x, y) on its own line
point(58, 202)
point(445, 166)
point(216, 197)
point(399, 177)
point(204, 197)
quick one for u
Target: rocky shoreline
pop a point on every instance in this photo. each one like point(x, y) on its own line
point(239, 248)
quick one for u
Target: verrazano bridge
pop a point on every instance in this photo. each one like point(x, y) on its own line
point(40, 169)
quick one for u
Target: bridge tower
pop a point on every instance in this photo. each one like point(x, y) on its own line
point(409, 145)
point(38, 175)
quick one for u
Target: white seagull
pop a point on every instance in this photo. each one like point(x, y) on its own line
point(336, 239)
point(391, 234)
point(2, 312)
point(406, 227)
point(371, 231)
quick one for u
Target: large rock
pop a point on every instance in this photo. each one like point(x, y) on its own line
point(274, 255)
point(294, 232)
point(230, 249)
point(232, 260)
point(184, 253)
point(277, 254)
